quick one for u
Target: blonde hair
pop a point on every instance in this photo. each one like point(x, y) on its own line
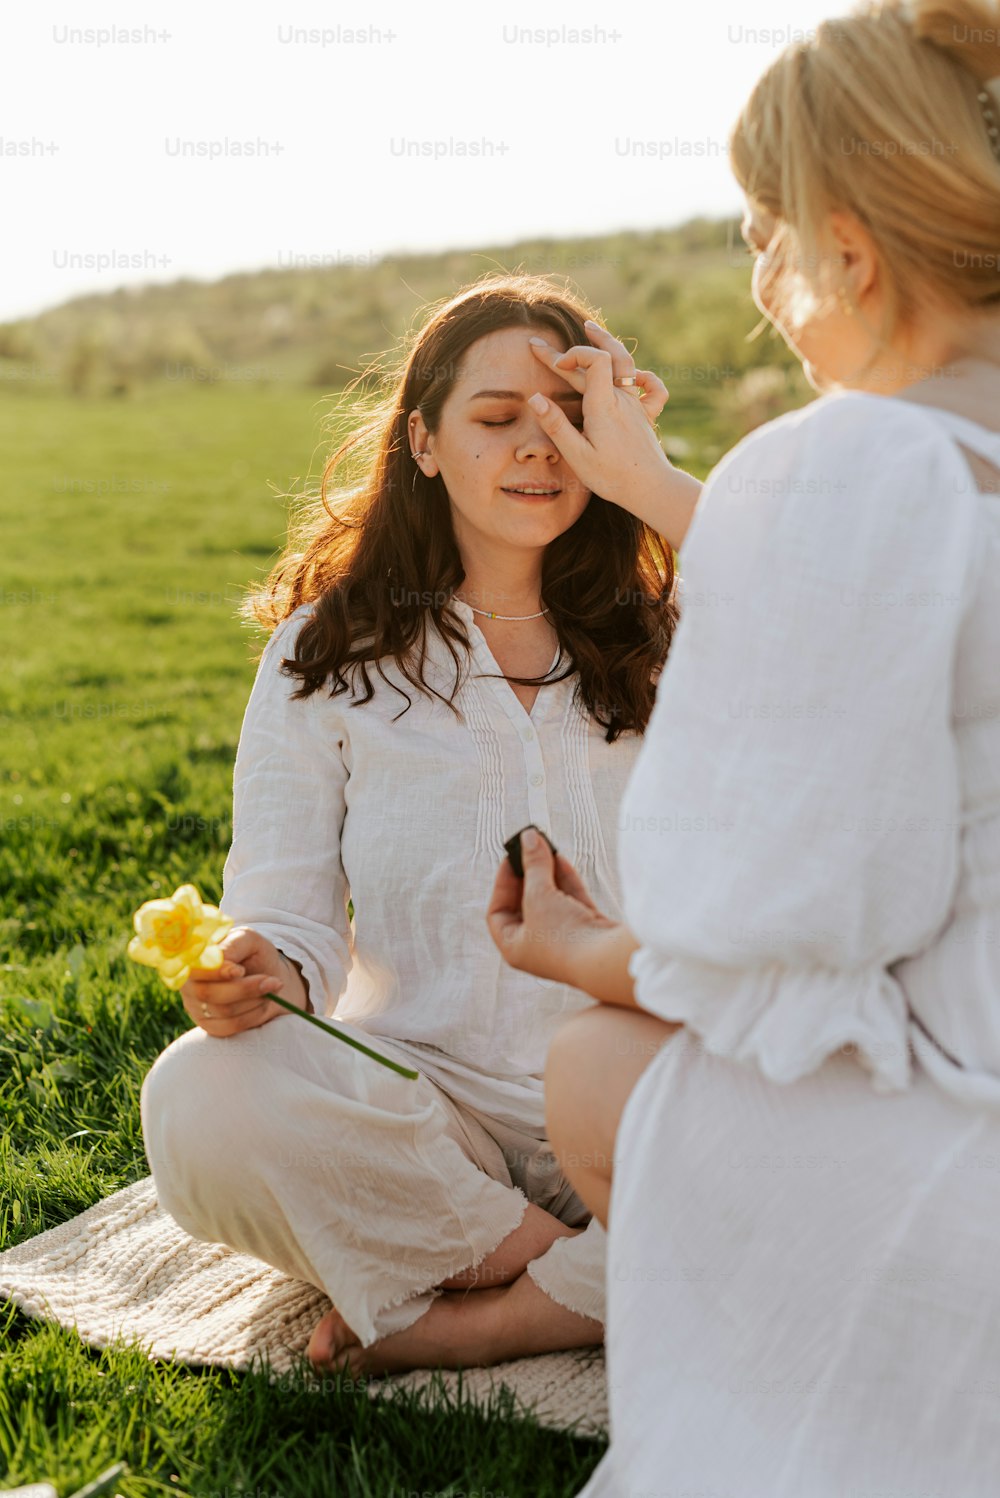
point(877, 113)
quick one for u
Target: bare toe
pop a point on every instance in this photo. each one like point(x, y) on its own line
point(331, 1339)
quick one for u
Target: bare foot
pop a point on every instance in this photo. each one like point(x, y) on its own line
point(459, 1330)
point(330, 1337)
point(452, 1333)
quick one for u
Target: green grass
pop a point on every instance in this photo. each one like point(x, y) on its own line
point(68, 1413)
point(131, 528)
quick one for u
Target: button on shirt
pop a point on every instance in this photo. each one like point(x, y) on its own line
point(405, 813)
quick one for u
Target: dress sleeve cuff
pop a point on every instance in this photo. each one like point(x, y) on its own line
point(321, 995)
point(785, 1020)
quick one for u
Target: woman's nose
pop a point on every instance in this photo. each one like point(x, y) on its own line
point(537, 444)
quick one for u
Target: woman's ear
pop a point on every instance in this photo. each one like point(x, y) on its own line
point(421, 441)
point(856, 248)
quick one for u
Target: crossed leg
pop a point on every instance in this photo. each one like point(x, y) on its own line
point(460, 1329)
point(595, 1060)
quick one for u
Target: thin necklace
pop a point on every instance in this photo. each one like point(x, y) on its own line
point(488, 614)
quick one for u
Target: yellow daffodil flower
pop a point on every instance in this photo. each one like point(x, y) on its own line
point(178, 934)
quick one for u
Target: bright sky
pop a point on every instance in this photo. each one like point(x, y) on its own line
point(389, 127)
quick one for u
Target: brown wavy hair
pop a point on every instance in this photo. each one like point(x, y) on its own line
point(381, 561)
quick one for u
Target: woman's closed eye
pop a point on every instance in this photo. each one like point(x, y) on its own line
point(510, 421)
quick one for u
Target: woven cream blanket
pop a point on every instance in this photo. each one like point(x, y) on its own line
point(125, 1270)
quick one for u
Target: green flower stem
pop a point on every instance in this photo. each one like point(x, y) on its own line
point(340, 1035)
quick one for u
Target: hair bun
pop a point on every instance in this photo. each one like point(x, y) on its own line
point(968, 30)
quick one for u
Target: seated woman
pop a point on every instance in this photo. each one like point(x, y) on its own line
point(804, 1297)
point(490, 632)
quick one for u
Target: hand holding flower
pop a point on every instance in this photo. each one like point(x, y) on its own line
point(234, 996)
point(227, 977)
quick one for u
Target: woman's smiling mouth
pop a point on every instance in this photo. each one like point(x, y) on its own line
point(532, 491)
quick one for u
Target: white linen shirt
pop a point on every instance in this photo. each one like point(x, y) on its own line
point(407, 816)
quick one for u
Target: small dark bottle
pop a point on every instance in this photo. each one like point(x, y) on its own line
point(513, 849)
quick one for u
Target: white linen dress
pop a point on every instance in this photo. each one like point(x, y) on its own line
point(288, 1145)
point(804, 1229)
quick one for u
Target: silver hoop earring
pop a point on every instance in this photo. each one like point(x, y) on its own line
point(415, 456)
point(425, 452)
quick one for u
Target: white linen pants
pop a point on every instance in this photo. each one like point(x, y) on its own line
point(297, 1149)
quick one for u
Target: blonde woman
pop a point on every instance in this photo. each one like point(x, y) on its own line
point(804, 1246)
point(463, 639)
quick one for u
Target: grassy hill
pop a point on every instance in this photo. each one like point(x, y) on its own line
point(682, 294)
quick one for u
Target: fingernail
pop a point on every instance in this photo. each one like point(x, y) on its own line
point(540, 341)
point(538, 403)
point(267, 983)
point(529, 839)
point(590, 323)
point(235, 970)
